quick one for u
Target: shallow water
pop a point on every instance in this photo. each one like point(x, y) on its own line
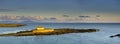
point(101, 37)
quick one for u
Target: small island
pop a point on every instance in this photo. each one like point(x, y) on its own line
point(11, 25)
point(40, 30)
point(117, 35)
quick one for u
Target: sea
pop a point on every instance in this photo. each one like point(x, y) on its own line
point(100, 37)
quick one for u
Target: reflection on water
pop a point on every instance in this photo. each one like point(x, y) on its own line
point(53, 39)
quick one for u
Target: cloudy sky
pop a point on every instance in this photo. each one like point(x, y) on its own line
point(64, 10)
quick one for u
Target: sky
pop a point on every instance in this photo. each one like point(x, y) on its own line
point(64, 10)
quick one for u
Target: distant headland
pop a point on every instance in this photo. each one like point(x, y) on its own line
point(11, 25)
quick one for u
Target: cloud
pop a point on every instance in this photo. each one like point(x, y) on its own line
point(65, 15)
point(50, 19)
point(45, 19)
point(98, 16)
point(22, 8)
point(84, 16)
point(6, 10)
point(53, 18)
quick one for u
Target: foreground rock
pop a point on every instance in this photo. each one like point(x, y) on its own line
point(49, 31)
point(11, 25)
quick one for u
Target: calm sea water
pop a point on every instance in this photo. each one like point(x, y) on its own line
point(101, 37)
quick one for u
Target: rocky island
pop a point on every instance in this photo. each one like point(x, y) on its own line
point(40, 30)
point(117, 35)
point(11, 25)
